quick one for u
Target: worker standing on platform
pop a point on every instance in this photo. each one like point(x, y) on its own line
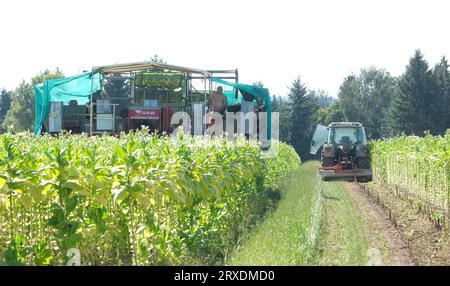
point(247, 105)
point(217, 102)
point(261, 107)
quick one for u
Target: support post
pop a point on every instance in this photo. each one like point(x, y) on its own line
point(114, 119)
point(91, 112)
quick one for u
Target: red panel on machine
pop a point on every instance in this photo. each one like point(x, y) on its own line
point(144, 113)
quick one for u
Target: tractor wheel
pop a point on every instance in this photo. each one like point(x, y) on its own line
point(327, 162)
point(364, 179)
point(363, 163)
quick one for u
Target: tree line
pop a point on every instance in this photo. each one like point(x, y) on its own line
point(416, 102)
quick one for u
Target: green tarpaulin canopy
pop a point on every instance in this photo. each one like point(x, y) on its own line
point(252, 89)
point(64, 90)
point(256, 91)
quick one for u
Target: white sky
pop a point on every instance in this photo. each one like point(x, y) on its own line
point(272, 41)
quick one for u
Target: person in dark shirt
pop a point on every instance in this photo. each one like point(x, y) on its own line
point(261, 107)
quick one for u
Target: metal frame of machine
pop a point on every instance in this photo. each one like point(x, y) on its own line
point(129, 71)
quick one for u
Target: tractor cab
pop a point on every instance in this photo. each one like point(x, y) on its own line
point(347, 135)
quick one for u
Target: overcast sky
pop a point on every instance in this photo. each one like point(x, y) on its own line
point(271, 41)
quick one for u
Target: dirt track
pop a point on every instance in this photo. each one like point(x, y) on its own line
point(379, 220)
point(411, 238)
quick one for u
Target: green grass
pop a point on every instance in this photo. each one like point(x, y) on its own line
point(343, 231)
point(316, 223)
point(288, 236)
point(349, 236)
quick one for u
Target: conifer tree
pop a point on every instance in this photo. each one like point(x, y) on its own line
point(304, 105)
point(409, 111)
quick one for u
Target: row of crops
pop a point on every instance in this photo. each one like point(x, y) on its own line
point(136, 199)
point(418, 169)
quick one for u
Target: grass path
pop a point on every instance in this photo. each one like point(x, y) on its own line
point(344, 231)
point(288, 235)
point(316, 223)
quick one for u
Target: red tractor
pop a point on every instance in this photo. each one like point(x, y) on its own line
point(345, 154)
